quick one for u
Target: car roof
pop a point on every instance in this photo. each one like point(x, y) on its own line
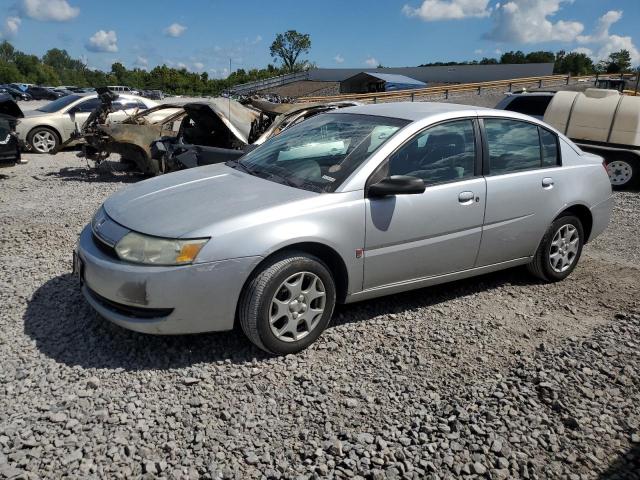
point(411, 110)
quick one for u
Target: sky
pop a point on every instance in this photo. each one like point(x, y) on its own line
point(203, 35)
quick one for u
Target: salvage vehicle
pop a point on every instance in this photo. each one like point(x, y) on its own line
point(348, 205)
point(9, 145)
point(603, 122)
point(43, 130)
point(132, 138)
point(188, 150)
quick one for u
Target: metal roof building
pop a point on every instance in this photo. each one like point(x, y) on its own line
point(365, 82)
point(442, 74)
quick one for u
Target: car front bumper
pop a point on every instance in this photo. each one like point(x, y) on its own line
point(157, 299)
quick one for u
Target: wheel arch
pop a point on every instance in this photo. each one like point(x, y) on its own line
point(327, 254)
point(584, 215)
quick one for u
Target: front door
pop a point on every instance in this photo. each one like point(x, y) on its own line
point(437, 232)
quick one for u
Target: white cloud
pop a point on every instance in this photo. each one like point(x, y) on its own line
point(10, 27)
point(339, 58)
point(103, 41)
point(605, 42)
point(174, 30)
point(49, 10)
point(181, 65)
point(432, 10)
point(256, 40)
point(478, 51)
point(372, 62)
point(141, 62)
point(198, 65)
point(528, 21)
point(587, 51)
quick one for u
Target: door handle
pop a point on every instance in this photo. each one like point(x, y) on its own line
point(547, 182)
point(466, 198)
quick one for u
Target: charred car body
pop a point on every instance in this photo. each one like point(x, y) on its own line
point(9, 144)
point(171, 137)
point(263, 120)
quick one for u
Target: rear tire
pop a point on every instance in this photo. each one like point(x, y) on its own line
point(559, 251)
point(624, 172)
point(287, 304)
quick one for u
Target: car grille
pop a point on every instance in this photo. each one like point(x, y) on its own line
point(128, 310)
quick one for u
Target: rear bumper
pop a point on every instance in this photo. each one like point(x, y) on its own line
point(162, 300)
point(601, 215)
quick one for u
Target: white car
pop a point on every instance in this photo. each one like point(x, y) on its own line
point(44, 129)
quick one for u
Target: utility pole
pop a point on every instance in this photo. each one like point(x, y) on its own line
point(637, 79)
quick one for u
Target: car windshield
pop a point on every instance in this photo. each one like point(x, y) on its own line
point(320, 153)
point(59, 104)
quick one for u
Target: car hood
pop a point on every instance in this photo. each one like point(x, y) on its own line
point(237, 118)
point(177, 204)
point(8, 106)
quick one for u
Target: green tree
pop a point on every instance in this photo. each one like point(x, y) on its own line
point(9, 73)
point(573, 63)
point(288, 47)
point(7, 52)
point(513, 57)
point(619, 62)
point(540, 56)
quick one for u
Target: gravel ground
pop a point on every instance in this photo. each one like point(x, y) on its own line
point(493, 377)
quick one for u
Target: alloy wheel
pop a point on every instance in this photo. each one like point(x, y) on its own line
point(43, 141)
point(564, 248)
point(297, 306)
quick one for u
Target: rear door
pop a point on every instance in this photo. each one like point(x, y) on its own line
point(437, 232)
point(522, 163)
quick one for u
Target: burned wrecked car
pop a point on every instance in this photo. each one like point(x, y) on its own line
point(132, 138)
point(216, 135)
point(9, 145)
point(218, 122)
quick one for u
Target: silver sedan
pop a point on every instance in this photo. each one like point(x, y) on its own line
point(350, 205)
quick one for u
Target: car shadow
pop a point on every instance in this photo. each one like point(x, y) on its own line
point(66, 329)
point(430, 296)
point(106, 171)
point(626, 467)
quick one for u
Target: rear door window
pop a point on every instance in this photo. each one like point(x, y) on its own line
point(513, 146)
point(550, 152)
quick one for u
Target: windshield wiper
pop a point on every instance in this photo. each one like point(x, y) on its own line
point(241, 166)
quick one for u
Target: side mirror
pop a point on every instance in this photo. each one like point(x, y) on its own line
point(396, 185)
point(72, 111)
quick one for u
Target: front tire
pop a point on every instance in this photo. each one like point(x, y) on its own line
point(43, 140)
point(287, 304)
point(559, 251)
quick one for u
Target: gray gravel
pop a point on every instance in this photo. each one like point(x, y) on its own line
point(494, 377)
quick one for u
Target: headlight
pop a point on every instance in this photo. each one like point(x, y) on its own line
point(137, 248)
